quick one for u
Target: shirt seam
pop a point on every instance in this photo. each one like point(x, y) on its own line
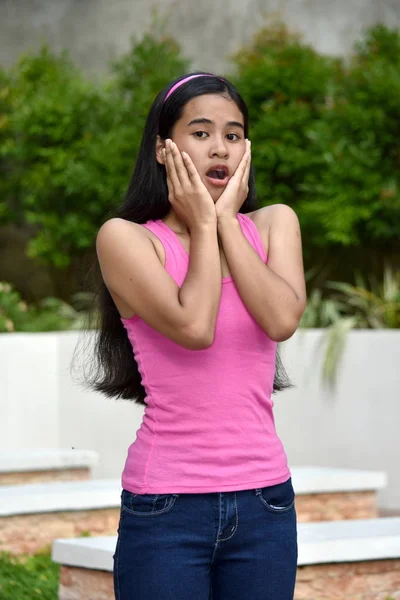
point(154, 427)
point(256, 237)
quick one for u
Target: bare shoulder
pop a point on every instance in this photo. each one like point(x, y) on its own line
point(268, 215)
point(122, 231)
point(122, 236)
point(269, 218)
point(117, 226)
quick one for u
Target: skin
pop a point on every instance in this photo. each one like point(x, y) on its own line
point(274, 294)
point(220, 141)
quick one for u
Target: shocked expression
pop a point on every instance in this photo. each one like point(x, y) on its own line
point(211, 131)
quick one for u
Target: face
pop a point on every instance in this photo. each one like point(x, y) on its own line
point(211, 131)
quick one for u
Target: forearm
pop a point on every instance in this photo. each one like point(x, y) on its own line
point(270, 300)
point(200, 293)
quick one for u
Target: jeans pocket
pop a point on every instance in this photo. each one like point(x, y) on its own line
point(277, 498)
point(147, 504)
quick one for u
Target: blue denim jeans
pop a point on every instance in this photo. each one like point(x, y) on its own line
point(220, 545)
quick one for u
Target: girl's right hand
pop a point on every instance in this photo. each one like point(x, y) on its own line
point(187, 194)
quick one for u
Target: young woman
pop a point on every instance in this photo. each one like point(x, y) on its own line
point(199, 286)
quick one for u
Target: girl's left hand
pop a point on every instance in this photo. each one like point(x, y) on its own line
point(237, 189)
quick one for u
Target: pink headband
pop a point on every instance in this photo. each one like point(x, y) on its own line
point(184, 80)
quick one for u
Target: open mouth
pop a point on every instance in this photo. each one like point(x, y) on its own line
point(218, 174)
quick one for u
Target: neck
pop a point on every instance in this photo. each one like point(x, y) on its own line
point(180, 227)
point(177, 224)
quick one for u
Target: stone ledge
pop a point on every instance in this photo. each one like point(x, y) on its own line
point(375, 580)
point(319, 480)
point(47, 476)
point(349, 541)
point(60, 496)
point(87, 553)
point(337, 506)
point(370, 580)
point(67, 509)
point(106, 493)
point(357, 560)
point(32, 533)
point(41, 459)
point(332, 542)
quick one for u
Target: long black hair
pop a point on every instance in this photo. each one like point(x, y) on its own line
point(112, 367)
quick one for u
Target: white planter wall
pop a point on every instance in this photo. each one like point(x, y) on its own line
point(356, 425)
point(92, 421)
point(29, 383)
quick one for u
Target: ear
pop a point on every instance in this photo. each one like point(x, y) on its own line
point(160, 144)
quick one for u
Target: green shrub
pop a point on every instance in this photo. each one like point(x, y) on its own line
point(371, 305)
point(326, 135)
point(54, 114)
point(50, 314)
point(365, 305)
point(286, 85)
point(353, 198)
point(320, 311)
point(68, 144)
point(8, 181)
point(27, 577)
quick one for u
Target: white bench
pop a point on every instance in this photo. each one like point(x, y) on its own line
point(330, 480)
point(39, 465)
point(319, 543)
point(105, 493)
point(365, 552)
point(60, 496)
point(32, 515)
point(330, 494)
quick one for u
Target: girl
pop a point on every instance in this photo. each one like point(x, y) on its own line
point(199, 286)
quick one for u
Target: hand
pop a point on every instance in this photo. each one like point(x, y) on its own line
point(235, 193)
point(187, 194)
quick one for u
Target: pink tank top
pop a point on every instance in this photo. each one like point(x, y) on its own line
point(208, 425)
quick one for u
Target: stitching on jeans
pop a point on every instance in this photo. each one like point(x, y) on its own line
point(236, 524)
point(219, 527)
point(276, 509)
point(151, 514)
point(155, 501)
point(117, 589)
point(271, 507)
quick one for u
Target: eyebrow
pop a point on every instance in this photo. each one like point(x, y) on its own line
point(205, 121)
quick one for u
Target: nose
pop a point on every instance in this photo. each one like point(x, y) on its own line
point(219, 147)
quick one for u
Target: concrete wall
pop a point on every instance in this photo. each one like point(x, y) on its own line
point(356, 425)
point(97, 30)
point(29, 383)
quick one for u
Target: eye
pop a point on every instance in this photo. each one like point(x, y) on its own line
point(233, 137)
point(200, 134)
